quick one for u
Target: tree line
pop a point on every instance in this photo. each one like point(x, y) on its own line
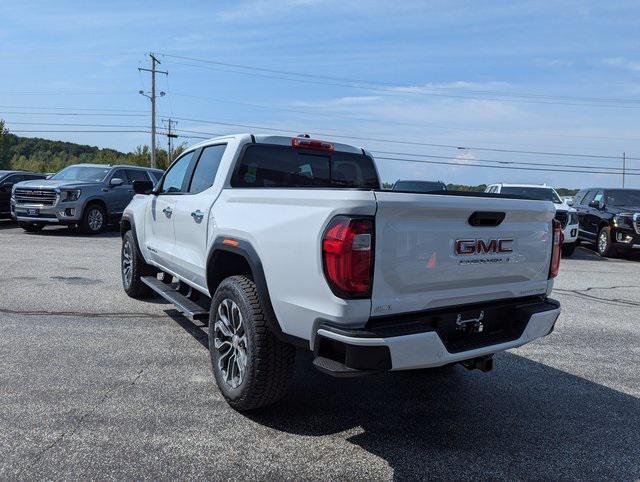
point(44, 155)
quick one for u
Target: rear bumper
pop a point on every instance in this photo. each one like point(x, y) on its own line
point(424, 346)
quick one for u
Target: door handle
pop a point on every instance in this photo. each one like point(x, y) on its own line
point(197, 216)
point(167, 211)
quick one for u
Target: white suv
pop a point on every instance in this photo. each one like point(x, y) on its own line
point(565, 214)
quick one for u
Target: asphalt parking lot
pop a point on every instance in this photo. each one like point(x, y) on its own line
point(96, 385)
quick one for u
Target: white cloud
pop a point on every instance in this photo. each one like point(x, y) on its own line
point(623, 63)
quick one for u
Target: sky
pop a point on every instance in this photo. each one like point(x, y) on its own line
point(451, 85)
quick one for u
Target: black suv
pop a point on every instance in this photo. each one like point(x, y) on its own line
point(610, 218)
point(7, 180)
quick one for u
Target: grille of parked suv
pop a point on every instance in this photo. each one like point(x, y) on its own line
point(562, 217)
point(43, 197)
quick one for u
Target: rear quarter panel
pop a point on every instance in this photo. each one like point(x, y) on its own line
point(285, 227)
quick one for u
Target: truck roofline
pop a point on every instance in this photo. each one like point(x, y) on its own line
point(275, 140)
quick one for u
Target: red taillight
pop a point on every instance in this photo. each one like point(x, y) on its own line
point(315, 144)
point(347, 255)
point(558, 237)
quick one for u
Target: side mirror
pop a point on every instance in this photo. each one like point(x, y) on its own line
point(569, 202)
point(116, 181)
point(49, 176)
point(142, 187)
point(595, 204)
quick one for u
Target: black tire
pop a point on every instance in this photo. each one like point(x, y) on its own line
point(604, 244)
point(130, 257)
point(568, 249)
point(31, 227)
point(269, 362)
point(92, 213)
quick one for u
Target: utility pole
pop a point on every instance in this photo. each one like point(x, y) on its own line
point(152, 98)
point(624, 166)
point(170, 135)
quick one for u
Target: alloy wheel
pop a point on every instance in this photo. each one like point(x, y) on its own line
point(230, 341)
point(602, 242)
point(96, 219)
point(127, 264)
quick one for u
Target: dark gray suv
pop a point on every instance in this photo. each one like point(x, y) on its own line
point(84, 197)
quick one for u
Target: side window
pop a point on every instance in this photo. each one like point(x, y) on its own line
point(588, 198)
point(121, 174)
point(15, 178)
point(578, 197)
point(156, 176)
point(205, 172)
point(174, 179)
point(137, 175)
point(599, 197)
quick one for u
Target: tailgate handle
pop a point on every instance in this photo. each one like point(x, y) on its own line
point(486, 218)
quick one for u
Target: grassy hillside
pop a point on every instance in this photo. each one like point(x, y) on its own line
point(44, 155)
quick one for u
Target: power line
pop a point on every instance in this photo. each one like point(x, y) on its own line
point(78, 130)
point(386, 122)
point(393, 89)
point(617, 169)
point(458, 164)
point(397, 141)
point(373, 139)
point(69, 108)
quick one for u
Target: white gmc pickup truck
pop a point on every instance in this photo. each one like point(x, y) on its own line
point(282, 242)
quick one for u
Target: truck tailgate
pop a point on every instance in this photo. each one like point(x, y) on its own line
point(429, 255)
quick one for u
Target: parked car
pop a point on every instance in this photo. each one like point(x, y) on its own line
point(285, 242)
point(7, 180)
point(610, 219)
point(565, 214)
point(82, 196)
point(419, 186)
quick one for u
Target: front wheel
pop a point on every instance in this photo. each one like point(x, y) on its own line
point(94, 219)
point(31, 227)
point(568, 249)
point(604, 244)
point(251, 366)
point(134, 268)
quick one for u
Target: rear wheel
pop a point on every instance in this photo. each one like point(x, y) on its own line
point(134, 268)
point(31, 227)
point(568, 249)
point(251, 366)
point(604, 245)
point(94, 219)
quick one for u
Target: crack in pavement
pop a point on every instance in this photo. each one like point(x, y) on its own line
point(77, 313)
point(79, 422)
point(581, 293)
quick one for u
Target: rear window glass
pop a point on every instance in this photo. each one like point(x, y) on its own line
point(271, 166)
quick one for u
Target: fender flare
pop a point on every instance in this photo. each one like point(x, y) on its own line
point(247, 251)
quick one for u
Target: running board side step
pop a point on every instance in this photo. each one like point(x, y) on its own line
point(183, 304)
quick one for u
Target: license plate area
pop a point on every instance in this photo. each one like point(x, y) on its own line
point(33, 212)
point(478, 327)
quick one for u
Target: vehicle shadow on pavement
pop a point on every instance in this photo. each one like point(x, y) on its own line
point(585, 253)
point(61, 231)
point(8, 224)
point(524, 420)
